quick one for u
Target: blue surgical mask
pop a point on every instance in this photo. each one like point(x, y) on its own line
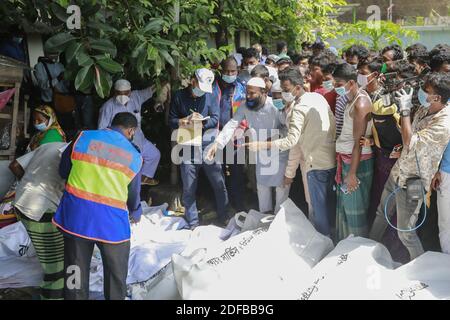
point(197, 92)
point(255, 104)
point(341, 90)
point(278, 103)
point(328, 85)
point(229, 79)
point(250, 103)
point(423, 96)
point(41, 126)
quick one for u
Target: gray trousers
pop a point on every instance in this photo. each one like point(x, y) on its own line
point(407, 215)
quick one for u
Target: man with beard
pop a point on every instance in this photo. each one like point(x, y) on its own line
point(262, 117)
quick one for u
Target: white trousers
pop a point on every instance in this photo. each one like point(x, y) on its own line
point(443, 204)
point(265, 197)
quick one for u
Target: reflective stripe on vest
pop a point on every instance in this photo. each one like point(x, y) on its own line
point(94, 204)
point(102, 156)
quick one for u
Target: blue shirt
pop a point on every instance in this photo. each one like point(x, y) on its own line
point(445, 162)
point(183, 102)
point(45, 84)
point(226, 96)
point(12, 49)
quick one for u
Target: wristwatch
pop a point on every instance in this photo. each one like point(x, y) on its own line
point(405, 113)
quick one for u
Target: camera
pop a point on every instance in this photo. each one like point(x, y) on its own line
point(392, 84)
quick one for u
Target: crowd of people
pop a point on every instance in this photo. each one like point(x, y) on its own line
point(368, 130)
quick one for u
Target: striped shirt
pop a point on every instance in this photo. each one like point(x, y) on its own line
point(341, 102)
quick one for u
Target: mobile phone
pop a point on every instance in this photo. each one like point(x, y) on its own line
point(344, 188)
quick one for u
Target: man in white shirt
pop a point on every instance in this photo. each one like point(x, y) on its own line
point(262, 117)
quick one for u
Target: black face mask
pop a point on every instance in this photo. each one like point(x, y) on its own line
point(255, 104)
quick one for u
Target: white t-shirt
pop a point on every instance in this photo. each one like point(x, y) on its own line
point(41, 187)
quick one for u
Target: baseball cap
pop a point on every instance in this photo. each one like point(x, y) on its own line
point(205, 79)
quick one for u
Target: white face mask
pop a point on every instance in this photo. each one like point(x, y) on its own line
point(363, 80)
point(122, 99)
point(303, 70)
point(288, 96)
point(251, 67)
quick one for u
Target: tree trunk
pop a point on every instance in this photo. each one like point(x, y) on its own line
point(221, 37)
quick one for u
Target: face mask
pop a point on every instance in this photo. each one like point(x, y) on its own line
point(341, 90)
point(303, 70)
point(254, 104)
point(197, 92)
point(229, 79)
point(362, 80)
point(123, 99)
point(278, 103)
point(41, 126)
point(251, 67)
point(355, 66)
point(328, 85)
point(288, 96)
point(423, 96)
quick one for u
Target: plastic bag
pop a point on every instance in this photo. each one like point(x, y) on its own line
point(5, 137)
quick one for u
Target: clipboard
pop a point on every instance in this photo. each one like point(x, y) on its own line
point(190, 136)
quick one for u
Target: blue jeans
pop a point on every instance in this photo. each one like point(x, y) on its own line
point(323, 198)
point(189, 176)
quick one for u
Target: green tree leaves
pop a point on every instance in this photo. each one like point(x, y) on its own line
point(59, 42)
point(376, 38)
point(109, 65)
point(103, 82)
point(84, 79)
point(141, 40)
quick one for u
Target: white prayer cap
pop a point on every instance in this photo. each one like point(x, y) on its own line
point(122, 85)
point(205, 79)
point(276, 87)
point(256, 82)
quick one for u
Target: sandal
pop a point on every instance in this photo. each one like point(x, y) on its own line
point(149, 181)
